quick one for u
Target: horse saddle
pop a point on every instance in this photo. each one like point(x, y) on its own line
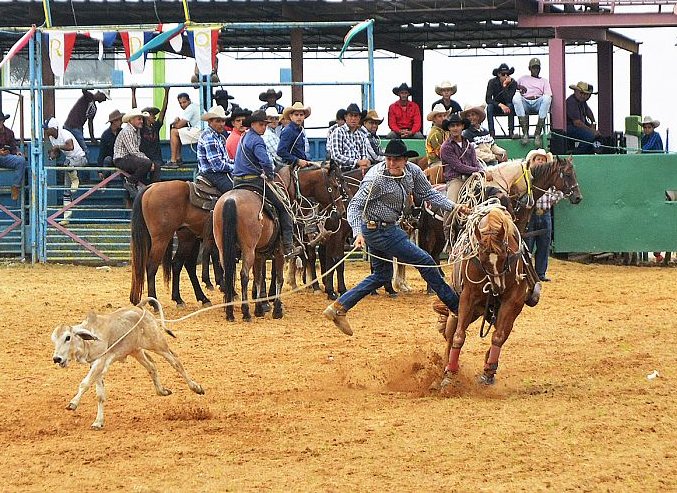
point(203, 194)
point(268, 208)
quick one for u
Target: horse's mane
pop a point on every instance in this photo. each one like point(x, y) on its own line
point(538, 170)
point(495, 229)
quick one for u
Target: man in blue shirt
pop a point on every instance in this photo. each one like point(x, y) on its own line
point(212, 158)
point(651, 140)
point(291, 148)
point(253, 168)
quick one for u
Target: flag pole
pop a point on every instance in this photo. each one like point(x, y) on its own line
point(186, 13)
point(48, 13)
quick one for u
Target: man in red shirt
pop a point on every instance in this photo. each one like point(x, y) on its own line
point(404, 116)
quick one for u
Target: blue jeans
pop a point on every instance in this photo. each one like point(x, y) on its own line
point(588, 136)
point(18, 164)
point(223, 182)
point(495, 110)
point(79, 135)
point(539, 106)
point(541, 242)
point(389, 242)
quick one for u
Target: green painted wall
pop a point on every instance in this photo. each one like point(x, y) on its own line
point(623, 208)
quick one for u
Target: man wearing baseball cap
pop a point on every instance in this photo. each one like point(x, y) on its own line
point(533, 97)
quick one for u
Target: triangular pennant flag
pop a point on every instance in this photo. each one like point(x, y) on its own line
point(176, 41)
point(16, 47)
point(60, 48)
point(98, 35)
point(204, 43)
point(109, 38)
point(133, 41)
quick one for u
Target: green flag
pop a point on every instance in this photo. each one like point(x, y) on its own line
point(354, 31)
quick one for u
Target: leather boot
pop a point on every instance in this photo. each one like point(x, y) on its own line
point(337, 314)
point(524, 124)
point(538, 140)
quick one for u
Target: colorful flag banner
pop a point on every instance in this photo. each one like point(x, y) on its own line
point(175, 41)
point(204, 43)
point(16, 47)
point(60, 48)
point(133, 41)
point(156, 42)
point(354, 31)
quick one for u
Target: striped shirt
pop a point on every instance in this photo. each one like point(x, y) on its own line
point(127, 143)
point(382, 197)
point(549, 199)
point(211, 152)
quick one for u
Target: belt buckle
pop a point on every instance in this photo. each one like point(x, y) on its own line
point(539, 212)
point(372, 225)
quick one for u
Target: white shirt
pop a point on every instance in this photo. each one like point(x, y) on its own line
point(192, 114)
point(61, 139)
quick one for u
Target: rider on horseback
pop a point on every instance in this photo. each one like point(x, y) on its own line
point(253, 169)
point(212, 158)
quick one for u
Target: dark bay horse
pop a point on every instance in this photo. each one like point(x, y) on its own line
point(493, 286)
point(159, 211)
point(240, 225)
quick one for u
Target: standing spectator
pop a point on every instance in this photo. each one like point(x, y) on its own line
point(235, 121)
point(107, 144)
point(84, 110)
point(500, 93)
point(348, 145)
point(10, 157)
point(404, 116)
point(185, 129)
point(63, 141)
point(127, 154)
point(291, 148)
point(212, 157)
point(580, 119)
point(651, 140)
point(271, 139)
point(270, 97)
point(486, 148)
point(437, 135)
point(370, 125)
point(150, 133)
point(446, 89)
point(533, 97)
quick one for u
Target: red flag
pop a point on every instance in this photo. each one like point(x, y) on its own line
point(23, 41)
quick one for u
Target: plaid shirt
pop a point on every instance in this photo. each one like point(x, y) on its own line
point(127, 143)
point(382, 197)
point(211, 152)
point(347, 148)
point(549, 199)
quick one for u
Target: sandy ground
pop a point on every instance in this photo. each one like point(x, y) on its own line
point(294, 405)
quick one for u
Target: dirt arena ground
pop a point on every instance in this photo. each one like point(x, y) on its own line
point(294, 405)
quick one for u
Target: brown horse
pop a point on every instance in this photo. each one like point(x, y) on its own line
point(493, 285)
point(239, 213)
point(159, 211)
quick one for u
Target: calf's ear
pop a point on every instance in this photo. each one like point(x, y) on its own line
point(84, 334)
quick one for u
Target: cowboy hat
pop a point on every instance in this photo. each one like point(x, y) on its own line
point(257, 116)
point(373, 116)
point(222, 94)
point(152, 110)
point(215, 111)
point(584, 87)
point(270, 92)
point(133, 113)
point(115, 115)
point(647, 120)
point(503, 69)
point(297, 106)
point(402, 87)
point(446, 85)
point(271, 112)
point(355, 110)
point(469, 108)
point(438, 109)
point(536, 152)
point(237, 113)
point(397, 148)
point(454, 118)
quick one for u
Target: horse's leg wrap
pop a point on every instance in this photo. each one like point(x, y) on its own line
point(454, 355)
point(491, 360)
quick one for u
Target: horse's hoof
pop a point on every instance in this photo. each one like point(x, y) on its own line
point(71, 406)
point(97, 426)
point(206, 303)
point(246, 318)
point(331, 295)
point(180, 304)
point(258, 313)
point(164, 392)
point(486, 379)
point(277, 314)
point(447, 380)
point(230, 317)
point(209, 287)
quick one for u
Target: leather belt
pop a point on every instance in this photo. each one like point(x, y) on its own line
point(531, 98)
point(380, 224)
point(247, 177)
point(539, 212)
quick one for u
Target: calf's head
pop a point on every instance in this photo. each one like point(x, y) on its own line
point(67, 340)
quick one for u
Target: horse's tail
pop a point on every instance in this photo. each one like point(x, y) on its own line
point(229, 242)
point(167, 262)
point(139, 249)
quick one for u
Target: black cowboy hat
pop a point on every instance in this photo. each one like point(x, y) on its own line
point(455, 118)
point(354, 109)
point(503, 67)
point(397, 148)
point(341, 114)
point(151, 109)
point(4, 116)
point(270, 92)
point(402, 87)
point(222, 94)
point(257, 116)
point(237, 112)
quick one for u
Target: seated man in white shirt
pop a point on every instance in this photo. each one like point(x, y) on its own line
point(185, 129)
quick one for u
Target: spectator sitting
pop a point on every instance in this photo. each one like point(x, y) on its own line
point(292, 146)
point(150, 134)
point(212, 157)
point(127, 155)
point(348, 145)
point(446, 89)
point(437, 135)
point(270, 97)
point(500, 93)
point(222, 98)
point(485, 145)
point(370, 125)
point(235, 121)
point(107, 142)
point(84, 110)
point(651, 140)
point(270, 137)
point(185, 129)
point(534, 96)
point(404, 116)
point(580, 119)
point(10, 157)
point(340, 120)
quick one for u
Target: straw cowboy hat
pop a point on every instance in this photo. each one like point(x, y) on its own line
point(402, 87)
point(270, 92)
point(297, 106)
point(446, 85)
point(133, 113)
point(115, 115)
point(439, 109)
point(503, 68)
point(469, 108)
point(647, 120)
point(215, 111)
point(584, 87)
point(373, 116)
point(536, 152)
point(271, 112)
point(397, 148)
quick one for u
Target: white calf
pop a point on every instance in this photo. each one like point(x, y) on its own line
point(100, 340)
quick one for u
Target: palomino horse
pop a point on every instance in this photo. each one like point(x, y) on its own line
point(493, 285)
point(239, 223)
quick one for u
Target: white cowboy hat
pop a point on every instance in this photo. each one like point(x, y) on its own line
point(438, 109)
point(536, 152)
point(215, 111)
point(446, 85)
point(271, 112)
point(296, 107)
point(134, 112)
point(479, 109)
point(647, 120)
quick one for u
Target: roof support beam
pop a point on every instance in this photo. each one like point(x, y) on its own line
point(597, 20)
point(385, 43)
point(598, 34)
